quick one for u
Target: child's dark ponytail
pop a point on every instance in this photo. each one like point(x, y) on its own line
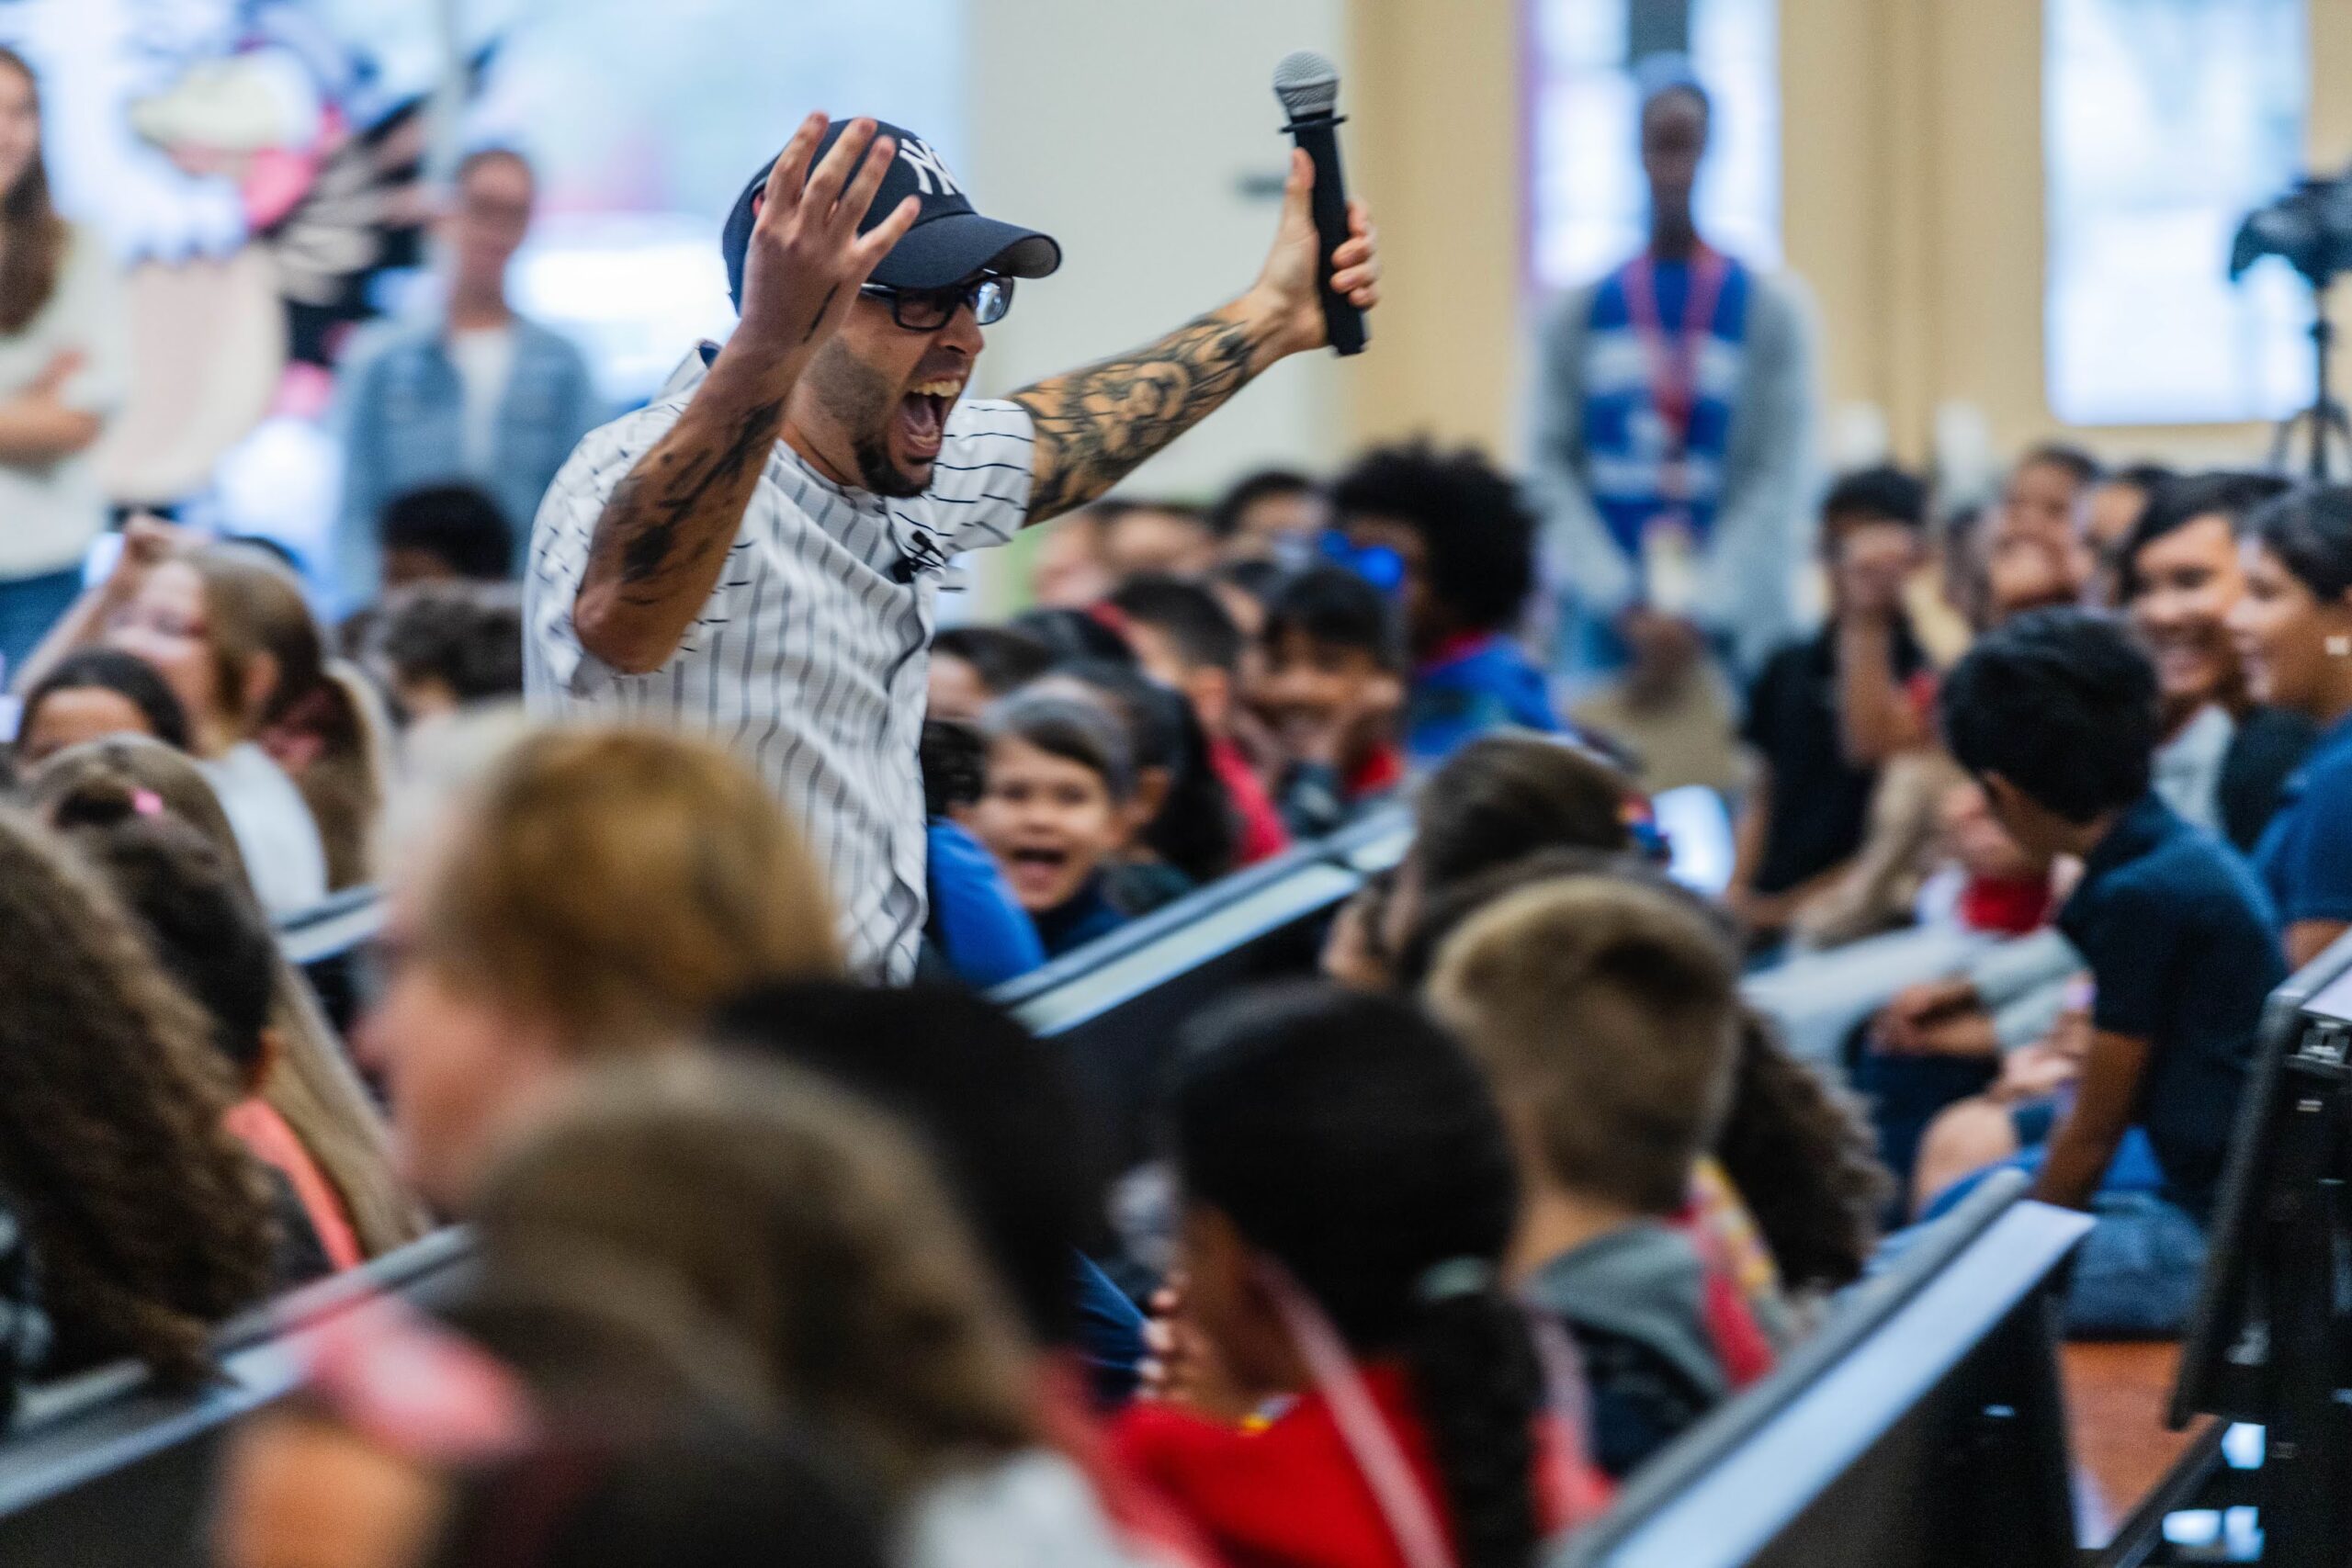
point(1480, 1387)
point(1352, 1143)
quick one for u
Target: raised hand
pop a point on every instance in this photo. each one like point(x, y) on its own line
point(61, 368)
point(147, 542)
point(1095, 426)
point(1288, 286)
point(807, 261)
point(654, 556)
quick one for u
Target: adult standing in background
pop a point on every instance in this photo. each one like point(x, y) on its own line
point(474, 393)
point(63, 369)
point(1671, 423)
point(757, 552)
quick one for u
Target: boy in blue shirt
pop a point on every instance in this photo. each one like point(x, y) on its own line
point(976, 929)
point(2056, 716)
point(1327, 691)
point(1460, 545)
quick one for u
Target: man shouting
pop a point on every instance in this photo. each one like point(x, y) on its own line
point(756, 553)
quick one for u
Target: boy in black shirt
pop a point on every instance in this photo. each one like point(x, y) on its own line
point(1824, 713)
point(2056, 717)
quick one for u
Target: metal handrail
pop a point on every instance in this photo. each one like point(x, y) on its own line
point(110, 1419)
point(113, 1417)
point(69, 1431)
point(1722, 1491)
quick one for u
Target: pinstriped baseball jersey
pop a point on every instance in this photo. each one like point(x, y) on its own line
point(810, 661)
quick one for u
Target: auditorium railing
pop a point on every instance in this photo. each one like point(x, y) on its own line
point(1921, 1426)
point(1119, 1004)
point(105, 1470)
point(1248, 905)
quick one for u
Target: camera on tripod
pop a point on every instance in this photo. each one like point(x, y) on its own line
point(2310, 229)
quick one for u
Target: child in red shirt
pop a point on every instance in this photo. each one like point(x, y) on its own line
point(1349, 1194)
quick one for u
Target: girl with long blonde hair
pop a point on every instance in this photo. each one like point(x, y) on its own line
point(594, 896)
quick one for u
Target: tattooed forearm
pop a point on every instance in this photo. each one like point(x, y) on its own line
point(662, 497)
point(662, 539)
point(1096, 426)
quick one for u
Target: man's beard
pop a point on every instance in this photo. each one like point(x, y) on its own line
point(862, 403)
point(877, 473)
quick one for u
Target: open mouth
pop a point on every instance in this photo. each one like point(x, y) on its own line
point(1296, 727)
point(2255, 667)
point(2180, 660)
point(1037, 870)
point(922, 416)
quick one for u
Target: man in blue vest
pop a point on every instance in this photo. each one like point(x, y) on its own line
point(1671, 423)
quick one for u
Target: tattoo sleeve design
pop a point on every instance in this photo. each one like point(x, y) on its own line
point(1096, 426)
point(638, 535)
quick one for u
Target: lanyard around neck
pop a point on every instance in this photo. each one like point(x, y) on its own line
point(1674, 360)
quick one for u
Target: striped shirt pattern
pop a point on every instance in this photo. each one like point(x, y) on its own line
point(811, 660)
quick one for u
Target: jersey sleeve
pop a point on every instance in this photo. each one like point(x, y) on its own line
point(980, 485)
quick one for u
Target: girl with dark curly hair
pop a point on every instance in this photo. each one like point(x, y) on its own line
point(313, 1086)
point(143, 1221)
point(201, 923)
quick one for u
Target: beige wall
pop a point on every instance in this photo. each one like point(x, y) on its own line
point(1147, 138)
point(1913, 204)
point(1436, 139)
point(1911, 181)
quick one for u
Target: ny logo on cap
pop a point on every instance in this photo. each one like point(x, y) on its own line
point(928, 169)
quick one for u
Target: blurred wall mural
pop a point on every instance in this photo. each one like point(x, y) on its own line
point(261, 169)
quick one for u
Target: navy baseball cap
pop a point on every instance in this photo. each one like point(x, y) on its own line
point(948, 243)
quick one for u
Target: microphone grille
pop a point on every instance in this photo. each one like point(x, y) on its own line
point(1306, 82)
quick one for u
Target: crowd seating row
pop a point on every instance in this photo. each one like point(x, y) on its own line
point(1931, 1387)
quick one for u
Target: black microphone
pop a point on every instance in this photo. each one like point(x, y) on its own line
point(1308, 86)
point(914, 559)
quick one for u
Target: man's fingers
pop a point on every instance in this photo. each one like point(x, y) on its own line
point(859, 194)
point(876, 243)
point(1353, 265)
point(825, 184)
point(1360, 286)
point(791, 170)
point(1299, 188)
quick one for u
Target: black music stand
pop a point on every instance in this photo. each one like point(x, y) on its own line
point(2271, 1339)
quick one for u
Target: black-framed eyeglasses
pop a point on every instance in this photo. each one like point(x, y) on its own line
point(928, 310)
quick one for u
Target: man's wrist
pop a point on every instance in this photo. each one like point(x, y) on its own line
point(1269, 324)
point(753, 372)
